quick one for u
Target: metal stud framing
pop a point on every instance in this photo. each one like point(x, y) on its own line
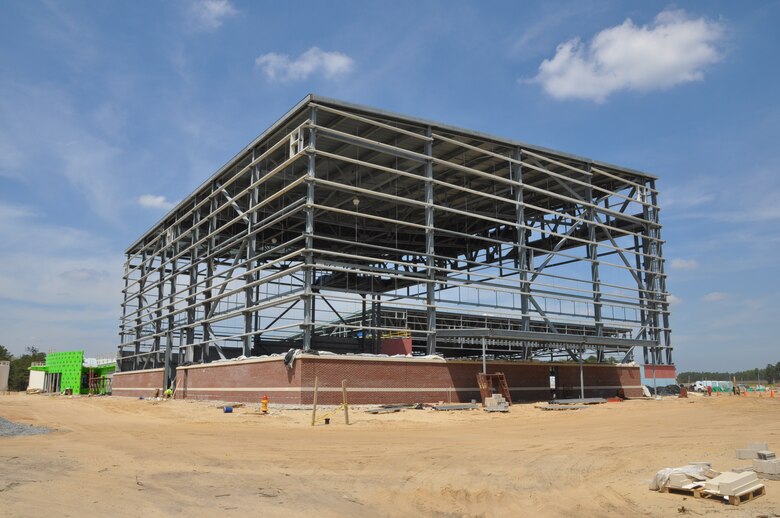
point(343, 225)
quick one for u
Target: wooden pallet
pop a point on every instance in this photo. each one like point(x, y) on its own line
point(700, 492)
point(748, 496)
point(695, 493)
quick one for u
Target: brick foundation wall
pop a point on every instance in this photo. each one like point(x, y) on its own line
point(377, 380)
point(241, 381)
point(137, 383)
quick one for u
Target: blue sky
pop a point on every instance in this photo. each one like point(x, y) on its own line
point(112, 111)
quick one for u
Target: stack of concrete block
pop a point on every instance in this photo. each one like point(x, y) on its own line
point(751, 451)
point(496, 403)
point(733, 484)
point(766, 463)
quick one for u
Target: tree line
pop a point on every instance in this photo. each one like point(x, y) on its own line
point(19, 375)
point(769, 374)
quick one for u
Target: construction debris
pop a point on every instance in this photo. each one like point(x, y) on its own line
point(389, 409)
point(383, 410)
point(561, 407)
point(464, 406)
point(701, 481)
point(579, 401)
point(693, 473)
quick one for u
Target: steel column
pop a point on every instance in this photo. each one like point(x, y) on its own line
point(430, 250)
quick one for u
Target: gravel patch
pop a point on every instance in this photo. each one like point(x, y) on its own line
point(9, 428)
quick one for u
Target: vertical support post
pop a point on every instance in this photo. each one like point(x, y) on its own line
point(168, 365)
point(250, 262)
point(141, 306)
point(372, 325)
point(378, 317)
point(641, 295)
point(192, 288)
point(123, 326)
point(664, 303)
point(484, 355)
point(430, 250)
point(344, 400)
point(158, 315)
point(582, 376)
point(205, 350)
point(363, 324)
point(521, 261)
point(649, 267)
point(314, 402)
point(593, 256)
point(643, 272)
point(308, 255)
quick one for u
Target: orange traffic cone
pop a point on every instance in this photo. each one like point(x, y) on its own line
point(744, 394)
point(771, 392)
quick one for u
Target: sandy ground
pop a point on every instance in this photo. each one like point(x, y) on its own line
point(127, 457)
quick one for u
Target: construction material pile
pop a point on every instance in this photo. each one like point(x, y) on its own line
point(701, 481)
point(765, 462)
point(496, 403)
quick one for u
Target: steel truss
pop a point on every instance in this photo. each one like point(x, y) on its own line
point(342, 225)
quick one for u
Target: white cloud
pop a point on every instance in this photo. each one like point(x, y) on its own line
point(715, 296)
point(674, 300)
point(672, 50)
point(210, 14)
point(679, 263)
point(279, 67)
point(151, 201)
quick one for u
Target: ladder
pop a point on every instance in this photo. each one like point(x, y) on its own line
point(491, 383)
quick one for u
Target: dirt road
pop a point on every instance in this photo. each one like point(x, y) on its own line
point(128, 457)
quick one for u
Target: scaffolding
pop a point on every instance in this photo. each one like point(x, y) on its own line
point(342, 225)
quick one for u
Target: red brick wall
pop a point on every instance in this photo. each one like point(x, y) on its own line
point(375, 381)
point(381, 381)
point(137, 383)
point(242, 381)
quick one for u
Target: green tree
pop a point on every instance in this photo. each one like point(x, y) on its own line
point(19, 376)
point(5, 355)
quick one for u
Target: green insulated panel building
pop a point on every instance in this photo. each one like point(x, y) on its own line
point(67, 371)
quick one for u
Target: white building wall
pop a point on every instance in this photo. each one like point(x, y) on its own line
point(37, 379)
point(5, 369)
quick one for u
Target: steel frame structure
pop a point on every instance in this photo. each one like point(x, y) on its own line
point(342, 225)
